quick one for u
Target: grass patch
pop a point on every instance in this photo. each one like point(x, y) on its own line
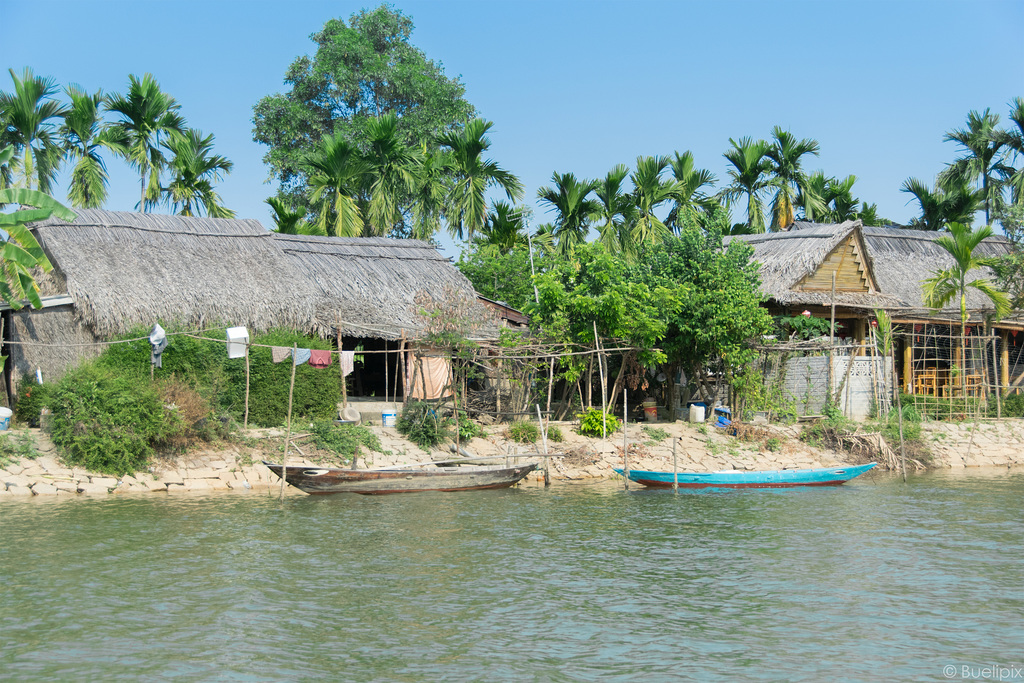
point(16, 446)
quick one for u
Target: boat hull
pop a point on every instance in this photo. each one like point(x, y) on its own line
point(322, 480)
point(740, 479)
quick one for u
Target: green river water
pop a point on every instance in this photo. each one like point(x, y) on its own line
point(872, 581)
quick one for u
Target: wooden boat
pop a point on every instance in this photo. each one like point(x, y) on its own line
point(318, 480)
point(741, 479)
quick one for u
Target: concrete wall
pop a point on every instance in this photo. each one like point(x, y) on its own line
point(806, 383)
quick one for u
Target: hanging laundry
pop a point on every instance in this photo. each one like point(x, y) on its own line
point(279, 353)
point(347, 361)
point(319, 358)
point(301, 356)
point(158, 342)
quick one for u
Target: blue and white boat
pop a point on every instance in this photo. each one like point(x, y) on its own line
point(742, 479)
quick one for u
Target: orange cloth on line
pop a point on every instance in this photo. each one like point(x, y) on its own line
point(319, 358)
point(436, 373)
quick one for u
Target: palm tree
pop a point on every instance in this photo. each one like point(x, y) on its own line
point(336, 171)
point(193, 174)
point(690, 199)
point(810, 197)
point(569, 199)
point(504, 230)
point(785, 155)
point(650, 191)
point(951, 282)
point(952, 204)
point(616, 210)
point(430, 188)
point(287, 220)
point(28, 112)
point(1013, 140)
point(84, 135)
point(473, 174)
point(749, 178)
point(982, 161)
point(391, 173)
point(842, 205)
point(146, 114)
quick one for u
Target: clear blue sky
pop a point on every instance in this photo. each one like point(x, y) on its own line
point(577, 86)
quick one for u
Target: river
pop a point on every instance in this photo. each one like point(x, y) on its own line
point(871, 581)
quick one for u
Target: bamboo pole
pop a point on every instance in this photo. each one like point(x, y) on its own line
point(544, 439)
point(604, 397)
point(832, 341)
point(551, 382)
point(401, 369)
point(387, 383)
point(995, 375)
point(288, 434)
point(625, 446)
point(341, 367)
point(245, 421)
point(675, 467)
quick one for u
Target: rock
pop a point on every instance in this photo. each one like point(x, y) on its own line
point(68, 486)
point(197, 485)
point(169, 477)
point(93, 488)
point(109, 482)
point(173, 487)
point(16, 480)
point(202, 473)
point(19, 490)
point(155, 486)
point(44, 490)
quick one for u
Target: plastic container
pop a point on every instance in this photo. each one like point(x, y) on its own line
point(5, 418)
point(389, 419)
point(651, 411)
point(238, 339)
point(697, 412)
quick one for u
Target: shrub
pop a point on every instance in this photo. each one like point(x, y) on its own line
point(469, 429)
point(343, 439)
point(109, 422)
point(522, 431)
point(656, 433)
point(773, 444)
point(31, 399)
point(15, 446)
point(555, 434)
point(1012, 406)
point(591, 422)
point(421, 424)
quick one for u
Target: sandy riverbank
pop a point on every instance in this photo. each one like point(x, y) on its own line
point(236, 466)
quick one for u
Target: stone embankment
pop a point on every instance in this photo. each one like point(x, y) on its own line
point(237, 467)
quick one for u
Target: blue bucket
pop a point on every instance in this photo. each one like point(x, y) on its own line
point(5, 419)
point(389, 419)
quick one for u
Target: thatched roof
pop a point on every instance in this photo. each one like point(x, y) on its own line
point(123, 270)
point(899, 261)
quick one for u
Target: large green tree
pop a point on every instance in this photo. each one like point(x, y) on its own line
point(616, 211)
point(569, 198)
point(147, 113)
point(360, 71)
point(943, 205)
point(29, 114)
point(786, 155)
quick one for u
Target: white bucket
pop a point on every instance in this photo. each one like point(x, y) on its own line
point(696, 413)
point(5, 418)
point(389, 419)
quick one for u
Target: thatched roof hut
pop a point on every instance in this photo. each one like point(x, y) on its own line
point(875, 268)
point(118, 271)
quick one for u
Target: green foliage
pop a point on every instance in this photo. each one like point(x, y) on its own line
point(803, 327)
point(1012, 406)
point(343, 439)
point(469, 429)
point(31, 399)
point(15, 446)
point(501, 277)
point(773, 444)
point(421, 424)
point(110, 422)
point(594, 422)
point(555, 434)
point(828, 432)
point(890, 426)
point(522, 431)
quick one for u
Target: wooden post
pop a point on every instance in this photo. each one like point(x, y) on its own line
point(551, 382)
point(386, 382)
point(544, 439)
point(1004, 362)
point(401, 368)
point(832, 341)
point(288, 434)
point(908, 363)
point(604, 397)
point(341, 368)
point(995, 373)
point(675, 466)
point(245, 422)
point(625, 446)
